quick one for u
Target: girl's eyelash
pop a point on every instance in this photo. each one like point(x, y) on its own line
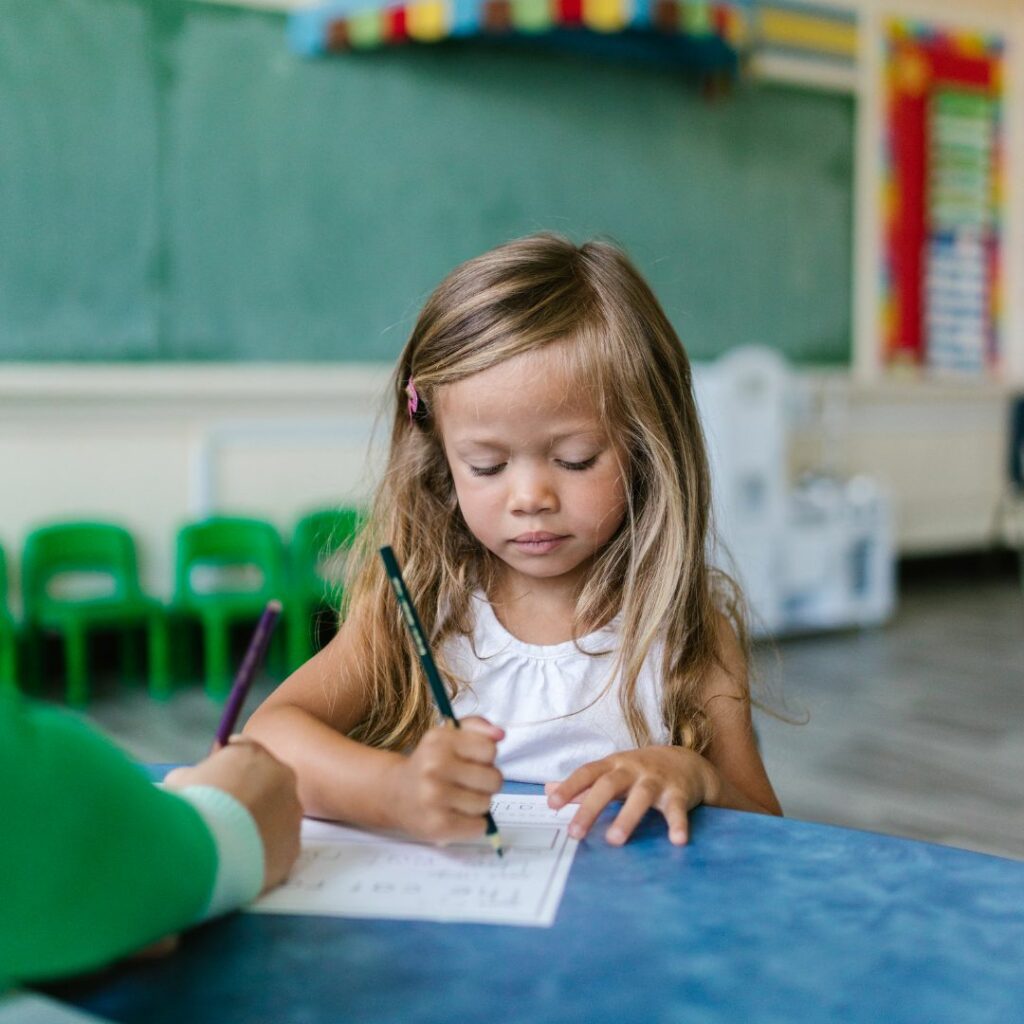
point(575, 467)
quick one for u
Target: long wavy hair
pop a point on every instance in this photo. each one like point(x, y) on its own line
point(654, 573)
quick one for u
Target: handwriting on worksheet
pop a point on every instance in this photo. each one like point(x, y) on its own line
point(350, 873)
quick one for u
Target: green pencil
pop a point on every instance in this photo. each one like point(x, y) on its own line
point(412, 621)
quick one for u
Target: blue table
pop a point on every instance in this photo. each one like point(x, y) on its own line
point(758, 920)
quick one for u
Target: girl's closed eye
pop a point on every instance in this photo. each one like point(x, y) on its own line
point(577, 467)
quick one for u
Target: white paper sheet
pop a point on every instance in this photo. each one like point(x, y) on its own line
point(346, 872)
point(32, 1008)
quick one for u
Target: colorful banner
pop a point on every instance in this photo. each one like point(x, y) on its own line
point(942, 198)
point(349, 24)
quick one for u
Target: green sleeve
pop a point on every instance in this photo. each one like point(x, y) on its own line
point(95, 861)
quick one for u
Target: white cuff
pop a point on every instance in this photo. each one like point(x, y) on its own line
point(239, 876)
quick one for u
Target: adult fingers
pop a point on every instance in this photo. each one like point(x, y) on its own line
point(581, 779)
point(162, 947)
point(602, 792)
point(638, 802)
point(177, 778)
point(677, 818)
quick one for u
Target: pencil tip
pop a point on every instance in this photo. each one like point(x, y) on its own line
point(496, 843)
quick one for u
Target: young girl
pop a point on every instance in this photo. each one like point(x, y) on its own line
point(547, 495)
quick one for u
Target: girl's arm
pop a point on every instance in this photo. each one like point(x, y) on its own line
point(742, 782)
point(305, 721)
point(439, 792)
point(675, 779)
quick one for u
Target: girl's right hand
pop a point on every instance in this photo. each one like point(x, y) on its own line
point(442, 791)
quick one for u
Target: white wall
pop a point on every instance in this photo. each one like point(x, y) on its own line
point(153, 446)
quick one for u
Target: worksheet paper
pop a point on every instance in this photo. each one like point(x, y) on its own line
point(348, 872)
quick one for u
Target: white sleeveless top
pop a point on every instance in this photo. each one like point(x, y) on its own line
point(546, 697)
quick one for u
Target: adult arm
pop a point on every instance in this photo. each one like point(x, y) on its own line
point(96, 861)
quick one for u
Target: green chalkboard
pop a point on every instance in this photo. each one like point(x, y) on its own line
point(175, 184)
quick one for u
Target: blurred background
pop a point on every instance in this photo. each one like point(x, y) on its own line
point(220, 220)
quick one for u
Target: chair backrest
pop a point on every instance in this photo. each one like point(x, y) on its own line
point(65, 563)
point(319, 538)
point(226, 554)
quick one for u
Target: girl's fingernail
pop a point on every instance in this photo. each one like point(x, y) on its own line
point(615, 835)
point(555, 801)
point(576, 831)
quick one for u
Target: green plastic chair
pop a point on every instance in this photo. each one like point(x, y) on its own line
point(81, 576)
point(8, 635)
point(318, 541)
point(227, 568)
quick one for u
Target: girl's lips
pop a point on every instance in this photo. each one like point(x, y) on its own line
point(538, 543)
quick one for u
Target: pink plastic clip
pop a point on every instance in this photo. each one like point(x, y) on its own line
point(414, 399)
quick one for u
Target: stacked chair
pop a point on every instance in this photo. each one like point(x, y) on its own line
point(226, 569)
point(318, 548)
point(77, 578)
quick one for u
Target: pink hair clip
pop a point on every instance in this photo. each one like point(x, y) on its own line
point(413, 402)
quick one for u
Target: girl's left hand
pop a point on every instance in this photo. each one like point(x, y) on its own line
point(671, 779)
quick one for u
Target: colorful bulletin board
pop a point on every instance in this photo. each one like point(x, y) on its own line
point(943, 198)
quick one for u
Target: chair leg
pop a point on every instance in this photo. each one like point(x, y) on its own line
point(8, 660)
point(181, 632)
point(159, 657)
point(215, 643)
point(33, 678)
point(76, 656)
point(299, 627)
point(130, 670)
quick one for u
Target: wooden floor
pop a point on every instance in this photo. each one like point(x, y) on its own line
point(916, 729)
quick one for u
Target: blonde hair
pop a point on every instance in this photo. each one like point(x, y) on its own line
point(517, 298)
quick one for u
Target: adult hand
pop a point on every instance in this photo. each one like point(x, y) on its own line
point(442, 791)
point(671, 779)
point(265, 787)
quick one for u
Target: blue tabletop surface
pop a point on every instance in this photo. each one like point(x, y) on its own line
point(757, 920)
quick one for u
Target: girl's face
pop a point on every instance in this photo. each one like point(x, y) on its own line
point(536, 474)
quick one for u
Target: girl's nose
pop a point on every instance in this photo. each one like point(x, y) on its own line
point(532, 493)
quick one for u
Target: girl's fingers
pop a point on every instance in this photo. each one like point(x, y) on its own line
point(475, 746)
point(482, 778)
point(581, 779)
point(638, 803)
point(469, 802)
point(677, 818)
point(462, 827)
point(602, 792)
point(480, 725)
point(551, 787)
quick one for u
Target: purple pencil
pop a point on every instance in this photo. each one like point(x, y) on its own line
point(247, 672)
